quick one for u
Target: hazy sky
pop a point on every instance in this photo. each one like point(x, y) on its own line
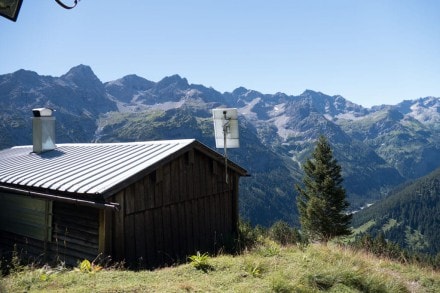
point(371, 52)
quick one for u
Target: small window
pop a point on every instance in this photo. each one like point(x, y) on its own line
point(26, 216)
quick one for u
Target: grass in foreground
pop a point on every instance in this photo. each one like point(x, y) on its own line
point(267, 268)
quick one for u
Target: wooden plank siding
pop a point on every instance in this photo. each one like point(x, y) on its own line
point(182, 207)
point(75, 234)
point(28, 249)
point(74, 237)
point(26, 216)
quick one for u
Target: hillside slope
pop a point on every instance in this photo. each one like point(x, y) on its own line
point(409, 216)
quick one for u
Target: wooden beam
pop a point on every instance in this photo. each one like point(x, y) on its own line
point(102, 232)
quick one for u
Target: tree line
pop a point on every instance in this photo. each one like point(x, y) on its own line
point(322, 207)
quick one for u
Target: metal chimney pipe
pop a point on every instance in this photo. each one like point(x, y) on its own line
point(43, 130)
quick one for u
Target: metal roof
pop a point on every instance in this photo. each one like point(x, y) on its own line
point(90, 168)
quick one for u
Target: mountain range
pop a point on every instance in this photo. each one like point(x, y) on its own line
point(379, 148)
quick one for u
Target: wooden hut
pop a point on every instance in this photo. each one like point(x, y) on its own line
point(145, 203)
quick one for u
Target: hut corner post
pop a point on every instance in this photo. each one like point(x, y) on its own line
point(105, 232)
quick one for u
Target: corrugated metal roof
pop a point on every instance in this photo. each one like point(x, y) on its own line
point(83, 168)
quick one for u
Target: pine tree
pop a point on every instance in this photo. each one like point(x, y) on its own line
point(322, 201)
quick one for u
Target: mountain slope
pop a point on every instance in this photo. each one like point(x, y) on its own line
point(410, 146)
point(409, 216)
point(78, 98)
point(290, 125)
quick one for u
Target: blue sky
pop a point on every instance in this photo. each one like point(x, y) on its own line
point(370, 52)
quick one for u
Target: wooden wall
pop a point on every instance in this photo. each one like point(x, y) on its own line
point(26, 216)
point(74, 237)
point(75, 234)
point(183, 207)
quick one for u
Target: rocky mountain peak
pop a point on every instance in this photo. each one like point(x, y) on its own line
point(173, 81)
point(26, 78)
point(331, 106)
point(136, 82)
point(311, 93)
point(240, 91)
point(25, 74)
point(82, 75)
point(132, 82)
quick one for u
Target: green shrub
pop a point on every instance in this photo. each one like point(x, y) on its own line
point(249, 236)
point(200, 261)
point(254, 268)
point(268, 248)
point(88, 267)
point(282, 233)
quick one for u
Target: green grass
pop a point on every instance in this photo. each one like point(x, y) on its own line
point(364, 227)
point(356, 231)
point(390, 224)
point(315, 268)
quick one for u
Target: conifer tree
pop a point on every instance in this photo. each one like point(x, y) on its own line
point(321, 201)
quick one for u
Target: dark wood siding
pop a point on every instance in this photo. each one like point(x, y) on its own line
point(74, 237)
point(75, 234)
point(26, 216)
point(25, 227)
point(182, 207)
point(28, 249)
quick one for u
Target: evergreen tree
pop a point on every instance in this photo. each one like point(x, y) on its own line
point(321, 202)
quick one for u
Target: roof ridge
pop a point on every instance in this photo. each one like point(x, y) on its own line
point(184, 141)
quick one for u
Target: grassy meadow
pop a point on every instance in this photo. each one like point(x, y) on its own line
point(268, 267)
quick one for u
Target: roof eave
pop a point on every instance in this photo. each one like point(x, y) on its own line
point(59, 197)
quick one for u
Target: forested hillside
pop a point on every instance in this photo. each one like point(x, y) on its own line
point(409, 216)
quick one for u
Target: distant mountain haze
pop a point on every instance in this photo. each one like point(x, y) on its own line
point(378, 148)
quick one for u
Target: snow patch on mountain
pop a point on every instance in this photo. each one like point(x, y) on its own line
point(277, 109)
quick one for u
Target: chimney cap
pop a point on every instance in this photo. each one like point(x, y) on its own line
point(42, 112)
